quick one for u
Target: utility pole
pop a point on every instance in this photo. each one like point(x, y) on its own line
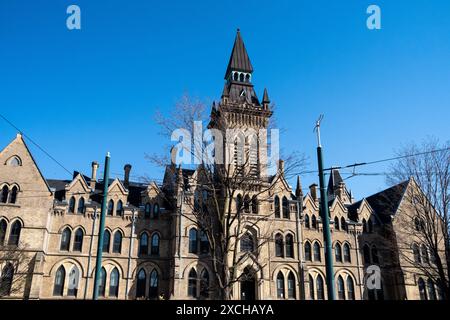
point(325, 217)
point(101, 229)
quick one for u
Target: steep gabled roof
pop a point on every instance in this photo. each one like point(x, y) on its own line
point(239, 60)
point(334, 181)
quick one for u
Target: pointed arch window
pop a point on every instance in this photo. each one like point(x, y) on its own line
point(60, 277)
point(247, 204)
point(350, 288)
point(193, 241)
point(110, 208)
point(78, 240)
point(247, 243)
point(141, 284)
point(143, 244)
point(117, 243)
point(425, 257)
point(81, 203)
point(14, 235)
point(314, 221)
point(148, 211)
point(65, 239)
point(364, 223)
point(119, 209)
point(347, 253)
point(280, 285)
point(286, 211)
point(338, 252)
point(255, 205)
point(102, 285)
point(307, 224)
point(320, 288)
point(317, 253)
point(204, 243)
point(289, 246)
point(277, 207)
point(422, 289)
point(291, 286)
point(204, 284)
point(3, 226)
point(343, 224)
point(416, 253)
point(192, 283)
point(4, 194)
point(13, 195)
point(279, 245)
point(341, 288)
point(156, 211)
point(311, 287)
point(153, 288)
point(74, 277)
point(114, 283)
point(308, 251)
point(336, 223)
point(6, 280)
point(106, 240)
point(431, 290)
point(155, 244)
point(239, 203)
point(72, 205)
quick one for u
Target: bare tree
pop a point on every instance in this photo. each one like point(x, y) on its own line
point(427, 216)
point(223, 197)
point(13, 270)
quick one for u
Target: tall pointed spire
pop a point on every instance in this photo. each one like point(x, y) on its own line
point(266, 96)
point(239, 60)
point(298, 190)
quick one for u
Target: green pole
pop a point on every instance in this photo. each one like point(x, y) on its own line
point(98, 265)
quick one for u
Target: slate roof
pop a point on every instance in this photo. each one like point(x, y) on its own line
point(239, 60)
point(334, 181)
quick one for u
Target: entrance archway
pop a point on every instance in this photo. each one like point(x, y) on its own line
point(248, 285)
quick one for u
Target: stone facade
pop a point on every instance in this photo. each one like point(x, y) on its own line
point(149, 251)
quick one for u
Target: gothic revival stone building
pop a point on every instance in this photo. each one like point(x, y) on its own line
point(152, 247)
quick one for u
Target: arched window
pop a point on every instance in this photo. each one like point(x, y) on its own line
point(119, 209)
point(336, 223)
point(375, 258)
point(148, 211)
point(431, 290)
point(291, 286)
point(311, 287)
point(307, 225)
point(340, 288)
point(239, 203)
point(347, 254)
point(204, 243)
point(241, 77)
point(289, 246)
point(154, 281)
point(3, 226)
point(338, 252)
point(143, 244)
point(192, 283)
point(320, 288)
point(13, 195)
point(74, 277)
point(279, 245)
point(78, 240)
point(280, 285)
point(155, 244)
point(235, 76)
point(350, 288)
point(106, 240)
point(314, 221)
point(425, 257)
point(204, 284)
point(102, 283)
point(254, 204)
point(156, 211)
point(117, 244)
point(72, 205)
point(193, 241)
point(317, 254)
point(247, 243)
point(6, 280)
point(141, 283)
point(370, 226)
point(247, 77)
point(110, 208)
point(247, 204)
point(15, 162)
point(343, 224)
point(364, 223)
point(286, 211)
point(366, 252)
point(65, 239)
point(277, 207)
point(114, 283)
point(80, 209)
point(308, 251)
point(422, 289)
point(416, 253)
point(60, 277)
point(4, 195)
point(14, 235)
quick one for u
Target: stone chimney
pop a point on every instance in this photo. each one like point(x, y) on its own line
point(94, 174)
point(126, 178)
point(313, 192)
point(281, 166)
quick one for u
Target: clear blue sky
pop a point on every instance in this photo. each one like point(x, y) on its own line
point(82, 93)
